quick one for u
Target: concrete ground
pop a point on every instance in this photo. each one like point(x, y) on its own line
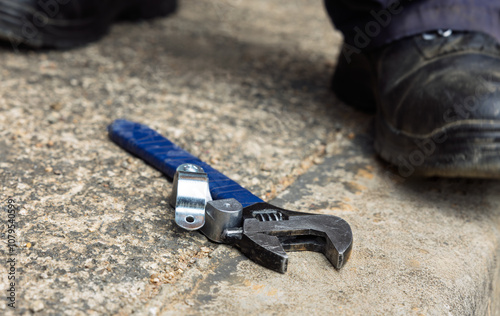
point(244, 86)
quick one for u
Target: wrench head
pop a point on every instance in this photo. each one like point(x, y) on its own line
point(269, 231)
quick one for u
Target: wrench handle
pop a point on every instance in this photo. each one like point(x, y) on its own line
point(165, 156)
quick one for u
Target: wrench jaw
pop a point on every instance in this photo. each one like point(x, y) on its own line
point(339, 246)
point(269, 231)
point(265, 250)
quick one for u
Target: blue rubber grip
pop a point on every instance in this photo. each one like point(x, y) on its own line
point(165, 156)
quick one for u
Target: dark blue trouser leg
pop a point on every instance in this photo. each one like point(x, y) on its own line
point(372, 23)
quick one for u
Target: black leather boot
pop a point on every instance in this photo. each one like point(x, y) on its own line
point(69, 23)
point(437, 101)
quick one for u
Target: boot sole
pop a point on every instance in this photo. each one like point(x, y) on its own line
point(468, 149)
point(26, 26)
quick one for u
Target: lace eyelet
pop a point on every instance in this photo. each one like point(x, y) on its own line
point(429, 36)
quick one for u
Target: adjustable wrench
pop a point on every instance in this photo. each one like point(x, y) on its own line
point(235, 216)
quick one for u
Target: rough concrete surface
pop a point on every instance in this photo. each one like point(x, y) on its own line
point(243, 85)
